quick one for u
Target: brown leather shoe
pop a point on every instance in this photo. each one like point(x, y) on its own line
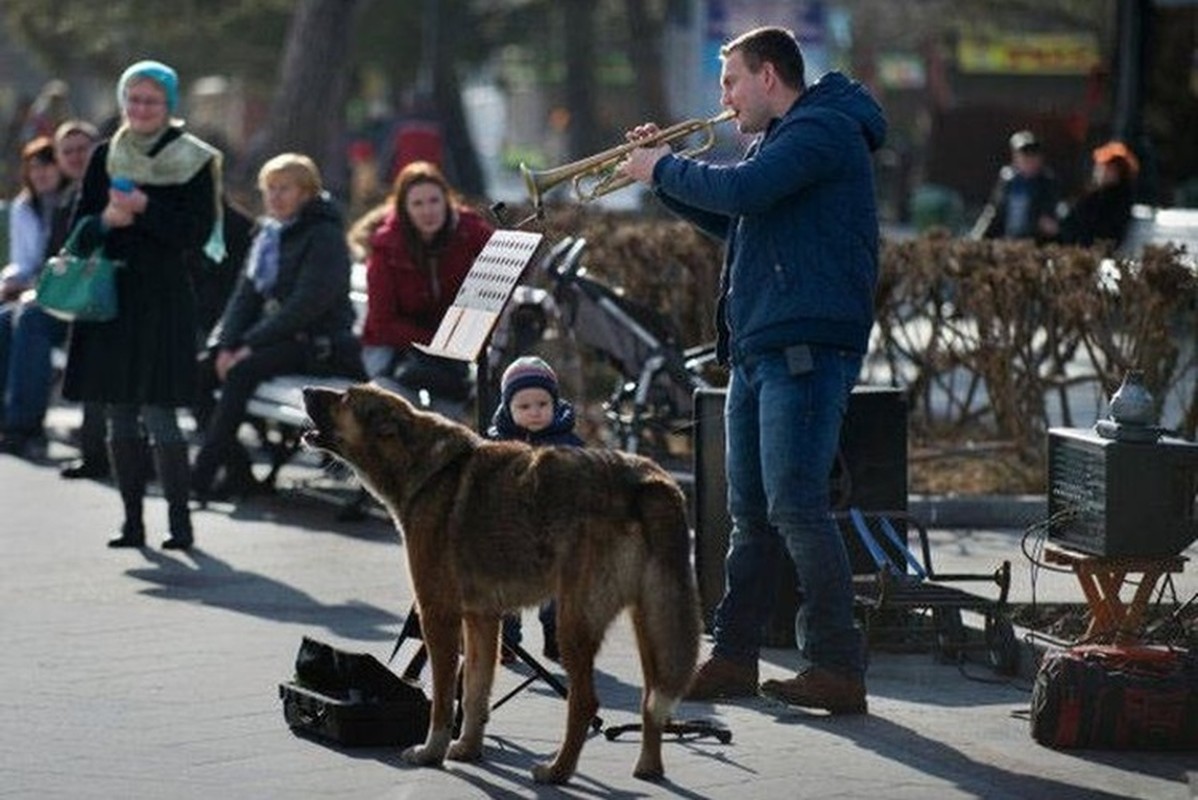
point(719, 677)
point(817, 687)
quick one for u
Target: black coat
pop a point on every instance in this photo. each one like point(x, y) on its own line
point(1101, 214)
point(310, 298)
point(147, 355)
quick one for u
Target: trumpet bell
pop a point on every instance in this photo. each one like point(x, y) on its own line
point(536, 184)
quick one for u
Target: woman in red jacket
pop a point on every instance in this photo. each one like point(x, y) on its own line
point(418, 256)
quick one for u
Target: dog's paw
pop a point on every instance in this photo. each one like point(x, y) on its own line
point(550, 773)
point(420, 755)
point(462, 750)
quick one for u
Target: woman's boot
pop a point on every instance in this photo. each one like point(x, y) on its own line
point(203, 473)
point(127, 457)
point(239, 481)
point(174, 476)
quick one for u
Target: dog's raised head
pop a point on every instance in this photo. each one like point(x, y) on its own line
point(386, 440)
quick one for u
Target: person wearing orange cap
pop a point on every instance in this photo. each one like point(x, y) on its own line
point(1103, 212)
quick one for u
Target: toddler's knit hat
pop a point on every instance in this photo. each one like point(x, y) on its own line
point(528, 372)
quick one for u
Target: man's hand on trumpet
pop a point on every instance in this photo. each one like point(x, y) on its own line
point(640, 162)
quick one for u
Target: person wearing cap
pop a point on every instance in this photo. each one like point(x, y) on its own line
point(73, 144)
point(531, 409)
point(151, 199)
point(1023, 203)
point(1103, 212)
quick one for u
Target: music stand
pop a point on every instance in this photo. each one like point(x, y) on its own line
point(466, 328)
point(467, 324)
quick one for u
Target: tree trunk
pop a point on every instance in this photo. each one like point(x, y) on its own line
point(578, 22)
point(464, 170)
point(306, 114)
point(644, 53)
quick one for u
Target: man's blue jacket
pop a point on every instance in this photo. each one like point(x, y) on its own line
point(799, 220)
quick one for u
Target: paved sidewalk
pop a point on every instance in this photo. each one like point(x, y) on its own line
point(153, 675)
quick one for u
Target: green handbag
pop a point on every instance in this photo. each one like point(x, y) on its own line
point(79, 287)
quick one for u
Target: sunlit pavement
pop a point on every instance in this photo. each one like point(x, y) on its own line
point(148, 674)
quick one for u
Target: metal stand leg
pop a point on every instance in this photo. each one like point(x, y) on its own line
point(411, 629)
point(683, 729)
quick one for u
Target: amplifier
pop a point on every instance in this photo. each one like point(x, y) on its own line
point(871, 474)
point(1118, 498)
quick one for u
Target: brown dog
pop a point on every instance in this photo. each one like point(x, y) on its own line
point(494, 526)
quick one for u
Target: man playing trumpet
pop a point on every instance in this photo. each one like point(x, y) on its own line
point(799, 220)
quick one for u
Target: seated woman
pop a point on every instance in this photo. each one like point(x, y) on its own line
point(420, 246)
point(289, 313)
point(29, 226)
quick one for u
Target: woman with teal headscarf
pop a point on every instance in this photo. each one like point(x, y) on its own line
point(150, 198)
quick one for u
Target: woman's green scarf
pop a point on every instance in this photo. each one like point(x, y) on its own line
point(178, 162)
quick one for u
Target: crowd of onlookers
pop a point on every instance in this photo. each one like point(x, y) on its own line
point(212, 301)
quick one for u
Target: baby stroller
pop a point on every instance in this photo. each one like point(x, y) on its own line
point(653, 396)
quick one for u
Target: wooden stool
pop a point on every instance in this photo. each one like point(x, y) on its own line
point(1101, 578)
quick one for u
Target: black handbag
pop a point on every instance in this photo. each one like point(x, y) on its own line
point(79, 287)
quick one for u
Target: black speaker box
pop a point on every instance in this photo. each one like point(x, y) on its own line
point(870, 474)
point(1121, 499)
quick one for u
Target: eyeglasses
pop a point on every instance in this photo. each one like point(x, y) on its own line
point(144, 102)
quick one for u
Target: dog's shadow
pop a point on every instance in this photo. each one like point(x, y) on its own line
point(205, 579)
point(506, 772)
point(506, 768)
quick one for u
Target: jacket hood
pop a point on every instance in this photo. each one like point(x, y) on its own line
point(320, 207)
point(835, 92)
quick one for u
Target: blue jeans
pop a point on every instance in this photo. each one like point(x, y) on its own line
point(783, 432)
point(7, 312)
point(27, 391)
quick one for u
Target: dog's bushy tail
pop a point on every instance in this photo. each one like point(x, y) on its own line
point(667, 610)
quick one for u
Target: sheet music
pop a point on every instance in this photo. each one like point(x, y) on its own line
point(469, 320)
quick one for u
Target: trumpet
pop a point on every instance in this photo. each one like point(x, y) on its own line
point(596, 176)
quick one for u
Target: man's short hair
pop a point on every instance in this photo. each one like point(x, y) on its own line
point(777, 46)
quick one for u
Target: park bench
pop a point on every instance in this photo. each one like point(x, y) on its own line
point(276, 409)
